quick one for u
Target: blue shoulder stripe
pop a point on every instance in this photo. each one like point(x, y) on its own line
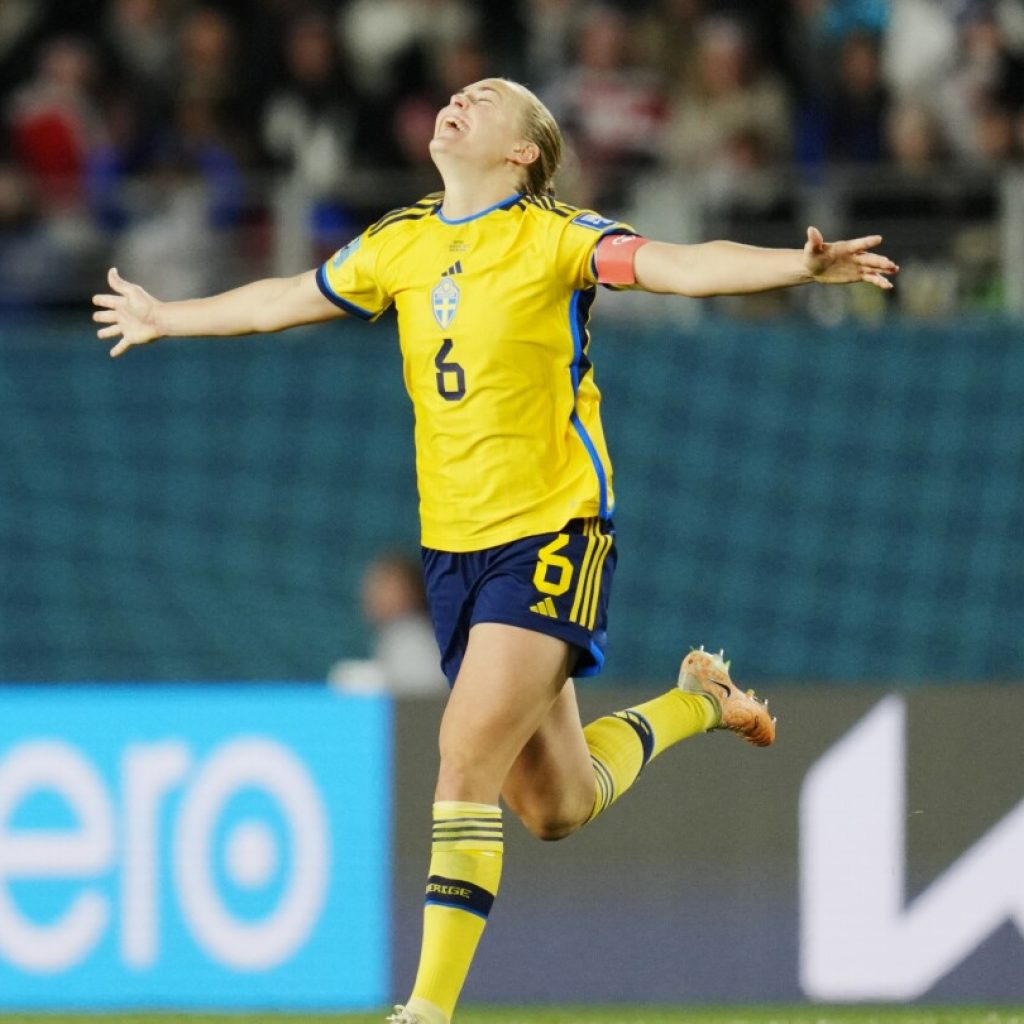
point(329, 293)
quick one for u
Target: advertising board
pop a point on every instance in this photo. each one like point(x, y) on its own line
point(873, 854)
point(194, 846)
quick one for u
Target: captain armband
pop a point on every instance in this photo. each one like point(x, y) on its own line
point(613, 259)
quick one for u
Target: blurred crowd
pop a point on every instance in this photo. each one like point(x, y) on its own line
point(141, 128)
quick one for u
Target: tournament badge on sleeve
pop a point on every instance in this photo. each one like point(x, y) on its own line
point(444, 300)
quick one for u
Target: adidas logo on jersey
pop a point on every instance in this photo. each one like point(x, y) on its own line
point(545, 608)
point(455, 268)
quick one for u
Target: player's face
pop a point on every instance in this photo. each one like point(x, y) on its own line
point(480, 123)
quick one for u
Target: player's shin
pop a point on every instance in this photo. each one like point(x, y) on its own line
point(465, 869)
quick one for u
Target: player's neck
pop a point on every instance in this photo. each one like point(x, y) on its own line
point(467, 195)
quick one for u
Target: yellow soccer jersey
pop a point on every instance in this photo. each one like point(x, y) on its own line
point(492, 320)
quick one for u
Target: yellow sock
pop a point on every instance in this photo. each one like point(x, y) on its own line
point(621, 744)
point(465, 869)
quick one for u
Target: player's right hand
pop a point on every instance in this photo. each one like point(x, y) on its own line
point(130, 312)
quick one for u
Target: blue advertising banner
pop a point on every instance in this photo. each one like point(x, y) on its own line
point(187, 846)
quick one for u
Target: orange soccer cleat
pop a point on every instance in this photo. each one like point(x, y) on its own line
point(738, 711)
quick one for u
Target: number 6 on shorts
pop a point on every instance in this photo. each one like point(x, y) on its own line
point(550, 564)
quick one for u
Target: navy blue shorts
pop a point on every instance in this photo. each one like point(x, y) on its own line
point(554, 583)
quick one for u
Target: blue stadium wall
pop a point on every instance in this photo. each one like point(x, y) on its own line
point(835, 505)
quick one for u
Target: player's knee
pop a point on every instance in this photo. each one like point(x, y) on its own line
point(550, 830)
point(550, 826)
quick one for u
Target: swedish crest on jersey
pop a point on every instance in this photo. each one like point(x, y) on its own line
point(444, 301)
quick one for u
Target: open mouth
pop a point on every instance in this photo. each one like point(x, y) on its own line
point(454, 122)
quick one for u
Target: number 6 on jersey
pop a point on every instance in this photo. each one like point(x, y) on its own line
point(446, 371)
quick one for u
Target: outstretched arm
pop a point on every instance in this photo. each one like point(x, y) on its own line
point(728, 268)
point(273, 304)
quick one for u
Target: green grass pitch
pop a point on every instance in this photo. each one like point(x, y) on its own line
point(580, 1015)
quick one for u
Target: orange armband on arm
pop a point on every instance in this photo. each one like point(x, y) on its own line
point(613, 259)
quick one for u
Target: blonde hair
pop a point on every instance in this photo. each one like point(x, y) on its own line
point(540, 128)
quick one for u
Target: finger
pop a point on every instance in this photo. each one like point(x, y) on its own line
point(109, 301)
point(814, 238)
point(877, 262)
point(878, 281)
point(109, 332)
point(120, 348)
point(860, 244)
point(106, 316)
point(116, 281)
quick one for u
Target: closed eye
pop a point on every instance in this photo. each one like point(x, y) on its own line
point(485, 95)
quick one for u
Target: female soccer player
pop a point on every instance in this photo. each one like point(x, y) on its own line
point(493, 280)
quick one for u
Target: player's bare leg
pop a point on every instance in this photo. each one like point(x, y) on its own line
point(508, 683)
point(551, 786)
point(512, 725)
point(566, 774)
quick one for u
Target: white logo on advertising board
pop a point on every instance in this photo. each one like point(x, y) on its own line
point(84, 852)
point(859, 939)
point(151, 775)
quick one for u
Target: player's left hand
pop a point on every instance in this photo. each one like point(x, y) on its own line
point(846, 262)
